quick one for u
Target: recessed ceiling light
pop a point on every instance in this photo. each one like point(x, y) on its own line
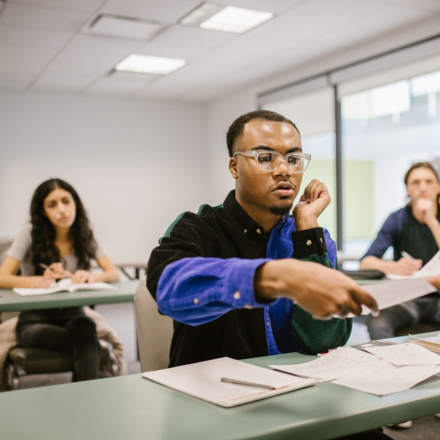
point(200, 14)
point(227, 19)
point(123, 27)
point(238, 20)
point(146, 64)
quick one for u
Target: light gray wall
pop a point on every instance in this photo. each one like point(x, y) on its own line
point(136, 164)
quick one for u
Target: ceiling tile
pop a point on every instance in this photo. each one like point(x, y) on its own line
point(426, 5)
point(79, 5)
point(33, 37)
point(185, 42)
point(164, 11)
point(48, 19)
point(97, 52)
point(120, 85)
point(66, 82)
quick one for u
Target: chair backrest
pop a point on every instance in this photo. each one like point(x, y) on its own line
point(153, 329)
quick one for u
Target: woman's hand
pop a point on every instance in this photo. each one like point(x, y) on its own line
point(45, 281)
point(82, 276)
point(57, 271)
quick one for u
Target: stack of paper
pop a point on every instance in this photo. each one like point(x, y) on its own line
point(203, 380)
point(389, 370)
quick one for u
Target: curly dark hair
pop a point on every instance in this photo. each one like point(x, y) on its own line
point(43, 232)
point(237, 127)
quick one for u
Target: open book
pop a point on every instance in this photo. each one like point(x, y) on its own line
point(64, 285)
point(204, 381)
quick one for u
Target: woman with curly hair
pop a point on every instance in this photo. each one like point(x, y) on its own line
point(58, 243)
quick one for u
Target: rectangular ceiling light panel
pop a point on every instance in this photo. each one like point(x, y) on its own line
point(123, 27)
point(146, 64)
point(237, 20)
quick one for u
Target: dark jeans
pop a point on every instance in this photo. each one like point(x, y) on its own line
point(66, 330)
point(425, 309)
point(375, 434)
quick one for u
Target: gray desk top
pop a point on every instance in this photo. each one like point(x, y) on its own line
point(11, 301)
point(134, 408)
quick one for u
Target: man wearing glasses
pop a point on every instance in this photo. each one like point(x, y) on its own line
point(241, 279)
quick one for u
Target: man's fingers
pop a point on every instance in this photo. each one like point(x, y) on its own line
point(362, 297)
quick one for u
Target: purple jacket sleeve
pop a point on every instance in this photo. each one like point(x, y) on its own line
point(195, 291)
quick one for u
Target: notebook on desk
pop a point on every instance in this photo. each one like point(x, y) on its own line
point(63, 286)
point(203, 380)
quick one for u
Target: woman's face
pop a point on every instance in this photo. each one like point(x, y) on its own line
point(60, 208)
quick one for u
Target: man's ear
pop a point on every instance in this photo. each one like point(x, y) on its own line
point(233, 167)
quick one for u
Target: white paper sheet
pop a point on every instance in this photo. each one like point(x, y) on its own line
point(430, 269)
point(203, 380)
point(391, 293)
point(330, 366)
point(362, 371)
point(382, 378)
point(405, 354)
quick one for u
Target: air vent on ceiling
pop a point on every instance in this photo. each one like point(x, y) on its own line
point(123, 27)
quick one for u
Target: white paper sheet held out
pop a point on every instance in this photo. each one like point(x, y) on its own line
point(405, 354)
point(361, 371)
point(203, 380)
point(391, 293)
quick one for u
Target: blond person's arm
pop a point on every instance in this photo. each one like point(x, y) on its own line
point(401, 267)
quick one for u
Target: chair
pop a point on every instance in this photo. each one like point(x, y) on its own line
point(35, 361)
point(154, 331)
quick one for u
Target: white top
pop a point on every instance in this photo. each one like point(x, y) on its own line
point(21, 251)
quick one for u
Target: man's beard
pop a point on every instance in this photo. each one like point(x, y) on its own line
point(280, 210)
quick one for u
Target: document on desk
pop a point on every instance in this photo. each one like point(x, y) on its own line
point(391, 293)
point(362, 371)
point(203, 380)
point(405, 354)
point(430, 269)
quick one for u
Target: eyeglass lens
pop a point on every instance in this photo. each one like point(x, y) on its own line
point(271, 161)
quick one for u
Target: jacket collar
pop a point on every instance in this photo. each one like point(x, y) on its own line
point(246, 223)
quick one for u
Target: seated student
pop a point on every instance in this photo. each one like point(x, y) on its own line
point(226, 275)
point(59, 236)
point(414, 229)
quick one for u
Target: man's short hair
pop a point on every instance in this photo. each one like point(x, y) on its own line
point(414, 166)
point(237, 127)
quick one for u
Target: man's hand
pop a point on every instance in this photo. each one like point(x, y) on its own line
point(321, 291)
point(435, 281)
point(406, 267)
point(424, 209)
point(310, 206)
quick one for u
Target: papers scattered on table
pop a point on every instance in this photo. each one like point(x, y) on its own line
point(405, 354)
point(362, 371)
point(432, 344)
point(64, 285)
point(203, 380)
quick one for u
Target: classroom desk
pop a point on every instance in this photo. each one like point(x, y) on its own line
point(12, 302)
point(135, 408)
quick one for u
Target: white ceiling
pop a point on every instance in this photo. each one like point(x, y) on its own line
point(45, 44)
